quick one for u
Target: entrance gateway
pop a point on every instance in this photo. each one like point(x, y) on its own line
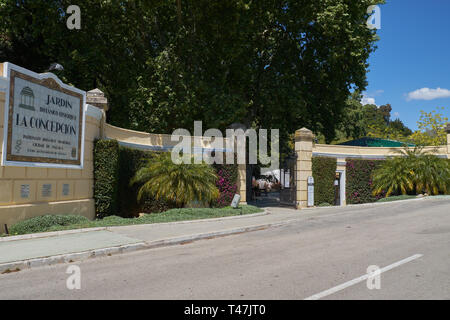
point(288, 181)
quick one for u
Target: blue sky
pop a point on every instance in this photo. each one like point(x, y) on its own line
point(412, 60)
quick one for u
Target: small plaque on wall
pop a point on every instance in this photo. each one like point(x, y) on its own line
point(25, 191)
point(65, 189)
point(46, 190)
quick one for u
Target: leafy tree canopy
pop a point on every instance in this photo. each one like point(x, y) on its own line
point(431, 129)
point(163, 64)
point(369, 121)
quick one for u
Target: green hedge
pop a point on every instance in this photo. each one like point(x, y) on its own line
point(324, 173)
point(359, 180)
point(106, 177)
point(114, 166)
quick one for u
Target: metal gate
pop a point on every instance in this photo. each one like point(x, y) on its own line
point(288, 178)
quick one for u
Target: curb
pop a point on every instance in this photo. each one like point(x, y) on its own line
point(68, 258)
point(78, 256)
point(366, 204)
point(214, 234)
point(48, 234)
point(249, 215)
point(64, 232)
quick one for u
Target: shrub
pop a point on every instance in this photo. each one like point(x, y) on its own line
point(226, 183)
point(396, 198)
point(324, 204)
point(359, 181)
point(413, 172)
point(106, 177)
point(181, 183)
point(324, 173)
point(45, 223)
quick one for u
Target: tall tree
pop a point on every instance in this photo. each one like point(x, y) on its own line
point(163, 64)
point(431, 128)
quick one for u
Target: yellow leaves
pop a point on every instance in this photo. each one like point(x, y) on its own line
point(431, 129)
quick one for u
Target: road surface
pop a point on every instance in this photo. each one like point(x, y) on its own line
point(320, 256)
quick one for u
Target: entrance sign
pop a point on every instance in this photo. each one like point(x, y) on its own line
point(44, 120)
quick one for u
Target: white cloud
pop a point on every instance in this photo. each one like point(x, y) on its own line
point(367, 100)
point(396, 115)
point(428, 94)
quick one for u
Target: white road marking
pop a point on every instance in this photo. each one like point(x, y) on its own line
point(361, 279)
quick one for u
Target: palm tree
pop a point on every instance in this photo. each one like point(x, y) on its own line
point(393, 176)
point(180, 183)
point(432, 175)
point(414, 171)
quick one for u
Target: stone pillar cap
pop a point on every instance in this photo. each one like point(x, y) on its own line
point(304, 133)
point(97, 98)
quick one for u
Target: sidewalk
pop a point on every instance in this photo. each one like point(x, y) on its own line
point(21, 252)
point(72, 246)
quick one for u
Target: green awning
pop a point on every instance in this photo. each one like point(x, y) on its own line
point(376, 142)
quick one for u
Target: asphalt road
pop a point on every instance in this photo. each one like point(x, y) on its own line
point(310, 256)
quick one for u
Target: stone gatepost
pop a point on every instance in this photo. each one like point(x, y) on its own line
point(303, 149)
point(97, 98)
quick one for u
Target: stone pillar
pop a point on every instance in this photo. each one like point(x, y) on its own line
point(97, 99)
point(242, 183)
point(303, 149)
point(448, 140)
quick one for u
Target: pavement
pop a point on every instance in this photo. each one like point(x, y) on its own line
point(320, 253)
point(33, 250)
point(20, 252)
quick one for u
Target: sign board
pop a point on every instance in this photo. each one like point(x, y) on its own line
point(310, 191)
point(235, 201)
point(44, 120)
point(286, 179)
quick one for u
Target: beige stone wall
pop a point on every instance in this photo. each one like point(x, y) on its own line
point(14, 208)
point(306, 149)
point(367, 152)
point(79, 199)
point(140, 139)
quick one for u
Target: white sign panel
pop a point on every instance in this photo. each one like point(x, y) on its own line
point(44, 120)
point(310, 191)
point(235, 201)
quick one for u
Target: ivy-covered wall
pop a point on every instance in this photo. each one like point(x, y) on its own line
point(106, 177)
point(226, 183)
point(324, 173)
point(359, 180)
point(114, 166)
